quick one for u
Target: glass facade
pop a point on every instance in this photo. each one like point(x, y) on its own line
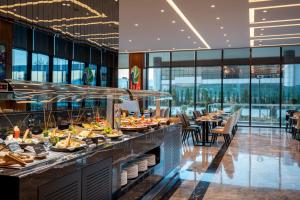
point(77, 73)
point(19, 64)
point(262, 82)
point(208, 88)
point(40, 68)
point(94, 71)
point(123, 78)
point(60, 70)
point(104, 78)
point(236, 90)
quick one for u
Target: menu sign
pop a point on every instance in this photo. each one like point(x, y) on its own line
point(39, 148)
point(14, 147)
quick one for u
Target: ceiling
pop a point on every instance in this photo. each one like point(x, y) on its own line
point(153, 25)
point(93, 21)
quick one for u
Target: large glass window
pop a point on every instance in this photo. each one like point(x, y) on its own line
point(77, 73)
point(94, 71)
point(183, 84)
point(290, 88)
point(123, 78)
point(19, 62)
point(60, 70)
point(209, 86)
point(236, 90)
point(40, 68)
point(159, 80)
point(104, 76)
point(265, 98)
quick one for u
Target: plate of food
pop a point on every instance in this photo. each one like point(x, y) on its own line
point(69, 145)
point(115, 134)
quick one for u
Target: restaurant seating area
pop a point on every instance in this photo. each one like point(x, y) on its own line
point(149, 100)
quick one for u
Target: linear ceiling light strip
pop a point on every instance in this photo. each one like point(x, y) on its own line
point(187, 22)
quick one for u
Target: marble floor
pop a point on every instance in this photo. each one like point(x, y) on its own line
point(260, 163)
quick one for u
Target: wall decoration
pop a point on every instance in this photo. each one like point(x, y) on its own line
point(136, 63)
point(88, 76)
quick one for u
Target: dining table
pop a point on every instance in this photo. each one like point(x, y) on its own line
point(205, 121)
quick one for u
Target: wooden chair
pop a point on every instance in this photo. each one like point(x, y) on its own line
point(225, 131)
point(189, 130)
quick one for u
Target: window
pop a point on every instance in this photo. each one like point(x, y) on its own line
point(77, 73)
point(290, 89)
point(159, 80)
point(60, 70)
point(94, 71)
point(183, 80)
point(209, 86)
point(123, 78)
point(265, 98)
point(40, 68)
point(19, 62)
point(236, 90)
point(104, 76)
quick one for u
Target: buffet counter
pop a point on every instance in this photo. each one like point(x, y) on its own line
point(95, 172)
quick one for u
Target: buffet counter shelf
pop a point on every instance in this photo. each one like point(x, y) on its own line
point(80, 171)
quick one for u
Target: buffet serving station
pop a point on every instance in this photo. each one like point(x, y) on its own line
point(86, 156)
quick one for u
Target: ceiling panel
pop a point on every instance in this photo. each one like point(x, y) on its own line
point(222, 23)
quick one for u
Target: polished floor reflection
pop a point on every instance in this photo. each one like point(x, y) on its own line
point(260, 163)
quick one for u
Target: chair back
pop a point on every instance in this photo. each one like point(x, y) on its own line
point(298, 124)
point(186, 118)
point(182, 120)
point(229, 125)
point(204, 112)
point(196, 114)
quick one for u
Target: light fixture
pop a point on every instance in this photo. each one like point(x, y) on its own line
point(189, 37)
point(227, 40)
point(213, 6)
point(173, 21)
point(265, 11)
point(87, 13)
point(173, 48)
point(158, 38)
point(182, 30)
point(229, 45)
point(130, 40)
point(261, 34)
point(162, 10)
point(262, 29)
point(225, 34)
point(218, 18)
point(15, 9)
point(68, 5)
point(64, 4)
point(264, 19)
point(194, 42)
point(222, 27)
point(187, 22)
point(136, 25)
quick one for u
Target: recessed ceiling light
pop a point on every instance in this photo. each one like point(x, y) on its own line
point(265, 11)
point(189, 37)
point(212, 6)
point(261, 34)
point(264, 19)
point(68, 4)
point(116, 0)
point(158, 38)
point(162, 10)
point(194, 42)
point(229, 45)
point(15, 9)
point(64, 4)
point(222, 27)
point(87, 13)
point(260, 44)
point(173, 21)
point(262, 29)
point(173, 48)
point(227, 40)
point(182, 30)
point(218, 18)
point(130, 40)
point(225, 34)
point(136, 25)
point(37, 17)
